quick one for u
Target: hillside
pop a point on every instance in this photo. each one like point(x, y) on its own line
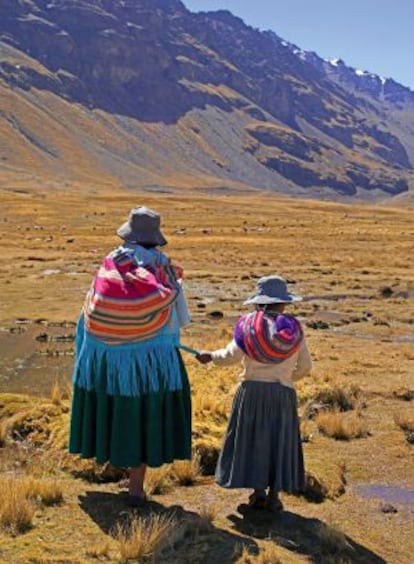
point(139, 92)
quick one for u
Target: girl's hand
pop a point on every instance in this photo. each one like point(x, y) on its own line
point(204, 357)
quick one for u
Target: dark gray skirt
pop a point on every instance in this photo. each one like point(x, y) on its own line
point(262, 446)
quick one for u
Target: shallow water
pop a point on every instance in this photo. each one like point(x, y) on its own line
point(30, 366)
point(407, 338)
point(389, 494)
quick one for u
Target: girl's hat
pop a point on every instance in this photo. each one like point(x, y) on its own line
point(272, 290)
point(143, 227)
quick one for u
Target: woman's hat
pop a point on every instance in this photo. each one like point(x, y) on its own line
point(272, 290)
point(143, 227)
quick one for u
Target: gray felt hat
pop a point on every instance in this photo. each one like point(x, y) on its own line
point(142, 227)
point(272, 290)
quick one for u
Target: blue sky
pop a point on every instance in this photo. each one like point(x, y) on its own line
point(372, 35)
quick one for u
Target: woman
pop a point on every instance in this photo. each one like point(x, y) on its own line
point(262, 448)
point(131, 397)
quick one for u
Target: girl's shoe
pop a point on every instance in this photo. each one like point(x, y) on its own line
point(257, 500)
point(273, 503)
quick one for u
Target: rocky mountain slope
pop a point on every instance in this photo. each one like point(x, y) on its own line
point(144, 92)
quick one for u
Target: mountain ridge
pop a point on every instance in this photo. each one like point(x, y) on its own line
point(236, 105)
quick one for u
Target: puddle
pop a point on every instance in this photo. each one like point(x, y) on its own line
point(409, 338)
point(328, 316)
point(389, 494)
point(29, 364)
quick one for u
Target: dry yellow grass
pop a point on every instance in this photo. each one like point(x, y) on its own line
point(47, 491)
point(342, 426)
point(405, 421)
point(145, 537)
point(3, 434)
point(56, 393)
point(17, 498)
point(225, 243)
point(16, 512)
point(270, 554)
point(158, 480)
point(187, 472)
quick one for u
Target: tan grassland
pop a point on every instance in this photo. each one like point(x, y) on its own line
point(353, 264)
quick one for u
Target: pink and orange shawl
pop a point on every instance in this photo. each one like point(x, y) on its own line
point(128, 303)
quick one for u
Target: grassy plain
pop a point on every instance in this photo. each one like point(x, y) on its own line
point(353, 264)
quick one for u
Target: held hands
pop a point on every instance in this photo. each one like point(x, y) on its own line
point(204, 357)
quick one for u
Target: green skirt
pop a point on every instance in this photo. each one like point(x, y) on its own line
point(153, 427)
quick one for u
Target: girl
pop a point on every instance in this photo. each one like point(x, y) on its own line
point(262, 448)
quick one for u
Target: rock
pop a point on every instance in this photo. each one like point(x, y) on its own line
point(215, 314)
point(386, 291)
point(388, 508)
point(317, 324)
point(409, 437)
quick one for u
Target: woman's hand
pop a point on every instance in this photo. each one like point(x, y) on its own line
point(204, 357)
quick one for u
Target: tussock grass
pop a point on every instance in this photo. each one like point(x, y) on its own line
point(306, 430)
point(56, 393)
point(158, 480)
point(18, 499)
point(270, 553)
point(144, 538)
point(315, 489)
point(207, 450)
point(341, 426)
point(3, 434)
point(405, 421)
point(207, 403)
point(187, 471)
point(208, 513)
point(91, 471)
point(16, 511)
point(403, 393)
point(331, 396)
point(47, 491)
point(326, 482)
point(99, 552)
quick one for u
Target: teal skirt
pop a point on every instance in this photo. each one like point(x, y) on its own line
point(131, 408)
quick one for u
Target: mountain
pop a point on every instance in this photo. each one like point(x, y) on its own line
point(144, 92)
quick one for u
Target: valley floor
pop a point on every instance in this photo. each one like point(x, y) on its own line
point(352, 263)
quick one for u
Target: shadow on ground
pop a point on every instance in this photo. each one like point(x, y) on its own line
point(208, 544)
point(305, 536)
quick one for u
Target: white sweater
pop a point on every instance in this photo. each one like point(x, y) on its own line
point(287, 372)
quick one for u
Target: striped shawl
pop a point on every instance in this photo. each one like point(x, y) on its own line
point(128, 302)
point(268, 338)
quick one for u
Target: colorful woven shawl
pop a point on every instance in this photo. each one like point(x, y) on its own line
point(127, 302)
point(267, 338)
